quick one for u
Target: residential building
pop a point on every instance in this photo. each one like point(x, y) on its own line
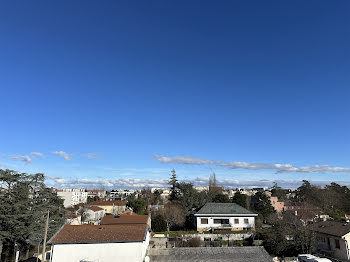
point(102, 243)
point(306, 213)
point(121, 194)
point(277, 204)
point(227, 216)
point(99, 193)
point(94, 214)
point(114, 207)
point(333, 239)
point(72, 196)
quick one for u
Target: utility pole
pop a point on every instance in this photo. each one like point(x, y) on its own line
point(45, 236)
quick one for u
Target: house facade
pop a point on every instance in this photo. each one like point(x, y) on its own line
point(102, 243)
point(94, 214)
point(333, 239)
point(224, 216)
point(114, 207)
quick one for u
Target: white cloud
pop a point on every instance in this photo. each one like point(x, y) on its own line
point(93, 155)
point(26, 159)
point(280, 168)
point(37, 154)
point(63, 154)
point(131, 183)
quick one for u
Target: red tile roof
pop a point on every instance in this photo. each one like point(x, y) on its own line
point(80, 234)
point(95, 208)
point(108, 203)
point(125, 218)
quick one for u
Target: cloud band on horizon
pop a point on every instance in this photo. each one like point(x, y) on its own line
point(280, 168)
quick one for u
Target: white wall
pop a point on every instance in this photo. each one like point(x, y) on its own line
point(241, 224)
point(103, 252)
point(67, 197)
point(73, 197)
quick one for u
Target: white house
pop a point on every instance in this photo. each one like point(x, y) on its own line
point(100, 243)
point(94, 214)
point(72, 197)
point(224, 216)
point(333, 239)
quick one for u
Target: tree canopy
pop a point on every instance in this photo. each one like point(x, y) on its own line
point(24, 202)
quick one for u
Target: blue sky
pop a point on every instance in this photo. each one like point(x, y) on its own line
point(231, 81)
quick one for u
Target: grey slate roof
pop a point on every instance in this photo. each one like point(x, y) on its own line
point(210, 254)
point(333, 228)
point(223, 209)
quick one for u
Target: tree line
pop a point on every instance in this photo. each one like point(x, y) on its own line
point(24, 203)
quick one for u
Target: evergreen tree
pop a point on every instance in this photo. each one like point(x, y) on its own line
point(158, 223)
point(263, 205)
point(24, 203)
point(221, 198)
point(139, 206)
point(174, 186)
point(240, 199)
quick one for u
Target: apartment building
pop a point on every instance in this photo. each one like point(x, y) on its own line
point(72, 196)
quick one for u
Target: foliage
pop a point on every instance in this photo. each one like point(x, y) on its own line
point(157, 198)
point(92, 199)
point(240, 199)
point(158, 223)
point(263, 205)
point(139, 206)
point(174, 186)
point(279, 192)
point(194, 242)
point(288, 237)
point(333, 198)
point(221, 198)
point(23, 207)
point(190, 198)
point(174, 215)
point(83, 212)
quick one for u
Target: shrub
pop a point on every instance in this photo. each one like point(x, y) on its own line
point(194, 242)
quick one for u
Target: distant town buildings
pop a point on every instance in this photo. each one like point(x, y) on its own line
point(100, 193)
point(121, 194)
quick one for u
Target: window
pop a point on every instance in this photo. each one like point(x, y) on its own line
point(246, 221)
point(217, 221)
point(236, 221)
point(204, 221)
point(337, 244)
point(221, 221)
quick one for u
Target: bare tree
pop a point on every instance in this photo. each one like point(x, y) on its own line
point(174, 215)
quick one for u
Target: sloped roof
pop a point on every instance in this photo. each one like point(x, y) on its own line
point(108, 203)
point(80, 234)
point(125, 218)
point(95, 208)
point(333, 228)
point(233, 254)
point(224, 209)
